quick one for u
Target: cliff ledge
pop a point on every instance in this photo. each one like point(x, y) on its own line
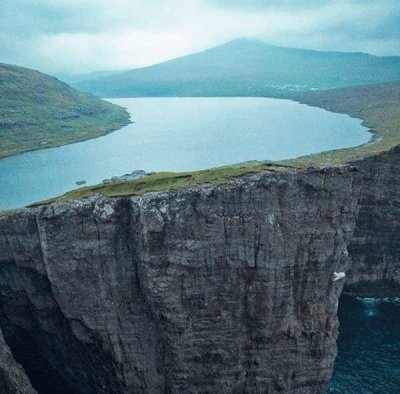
point(217, 288)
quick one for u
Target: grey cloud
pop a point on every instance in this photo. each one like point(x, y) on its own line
point(23, 17)
point(380, 27)
point(279, 4)
point(36, 33)
point(269, 4)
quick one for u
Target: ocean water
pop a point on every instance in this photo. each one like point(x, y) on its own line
point(368, 360)
point(179, 134)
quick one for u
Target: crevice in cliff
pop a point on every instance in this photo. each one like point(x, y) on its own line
point(184, 291)
point(151, 342)
point(42, 341)
point(22, 331)
point(44, 378)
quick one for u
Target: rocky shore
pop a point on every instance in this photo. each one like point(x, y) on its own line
point(137, 174)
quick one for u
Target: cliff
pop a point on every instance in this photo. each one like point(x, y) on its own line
point(217, 288)
point(375, 247)
point(13, 379)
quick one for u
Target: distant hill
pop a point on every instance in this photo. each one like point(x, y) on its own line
point(75, 78)
point(39, 111)
point(247, 67)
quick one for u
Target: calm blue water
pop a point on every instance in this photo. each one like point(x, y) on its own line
point(179, 134)
point(368, 360)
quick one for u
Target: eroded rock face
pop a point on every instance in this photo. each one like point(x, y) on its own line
point(375, 249)
point(214, 289)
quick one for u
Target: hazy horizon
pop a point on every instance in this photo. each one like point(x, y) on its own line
point(115, 70)
point(81, 36)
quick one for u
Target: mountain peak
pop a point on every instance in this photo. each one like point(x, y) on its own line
point(245, 41)
point(247, 67)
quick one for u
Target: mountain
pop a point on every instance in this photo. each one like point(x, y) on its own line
point(75, 78)
point(247, 67)
point(39, 111)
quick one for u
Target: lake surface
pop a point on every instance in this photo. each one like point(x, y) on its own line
point(368, 360)
point(179, 134)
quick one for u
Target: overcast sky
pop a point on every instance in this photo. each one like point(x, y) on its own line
point(78, 36)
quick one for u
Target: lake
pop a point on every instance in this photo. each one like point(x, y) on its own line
point(179, 134)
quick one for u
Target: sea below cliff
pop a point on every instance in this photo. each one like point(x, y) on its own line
point(368, 347)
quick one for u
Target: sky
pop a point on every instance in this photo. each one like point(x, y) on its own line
point(80, 36)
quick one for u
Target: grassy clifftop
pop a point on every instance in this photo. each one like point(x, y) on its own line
point(39, 111)
point(377, 105)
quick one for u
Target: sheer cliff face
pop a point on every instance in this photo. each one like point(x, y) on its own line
point(375, 249)
point(215, 289)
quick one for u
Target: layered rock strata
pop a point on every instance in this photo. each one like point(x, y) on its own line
point(375, 248)
point(219, 288)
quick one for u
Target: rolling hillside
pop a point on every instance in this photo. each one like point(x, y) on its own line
point(39, 111)
point(247, 67)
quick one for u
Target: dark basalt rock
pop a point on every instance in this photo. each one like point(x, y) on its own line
point(13, 378)
point(224, 288)
point(375, 249)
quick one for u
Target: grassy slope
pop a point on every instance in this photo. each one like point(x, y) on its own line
point(38, 111)
point(377, 105)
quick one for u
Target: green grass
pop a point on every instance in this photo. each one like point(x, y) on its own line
point(377, 105)
point(38, 111)
point(168, 181)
